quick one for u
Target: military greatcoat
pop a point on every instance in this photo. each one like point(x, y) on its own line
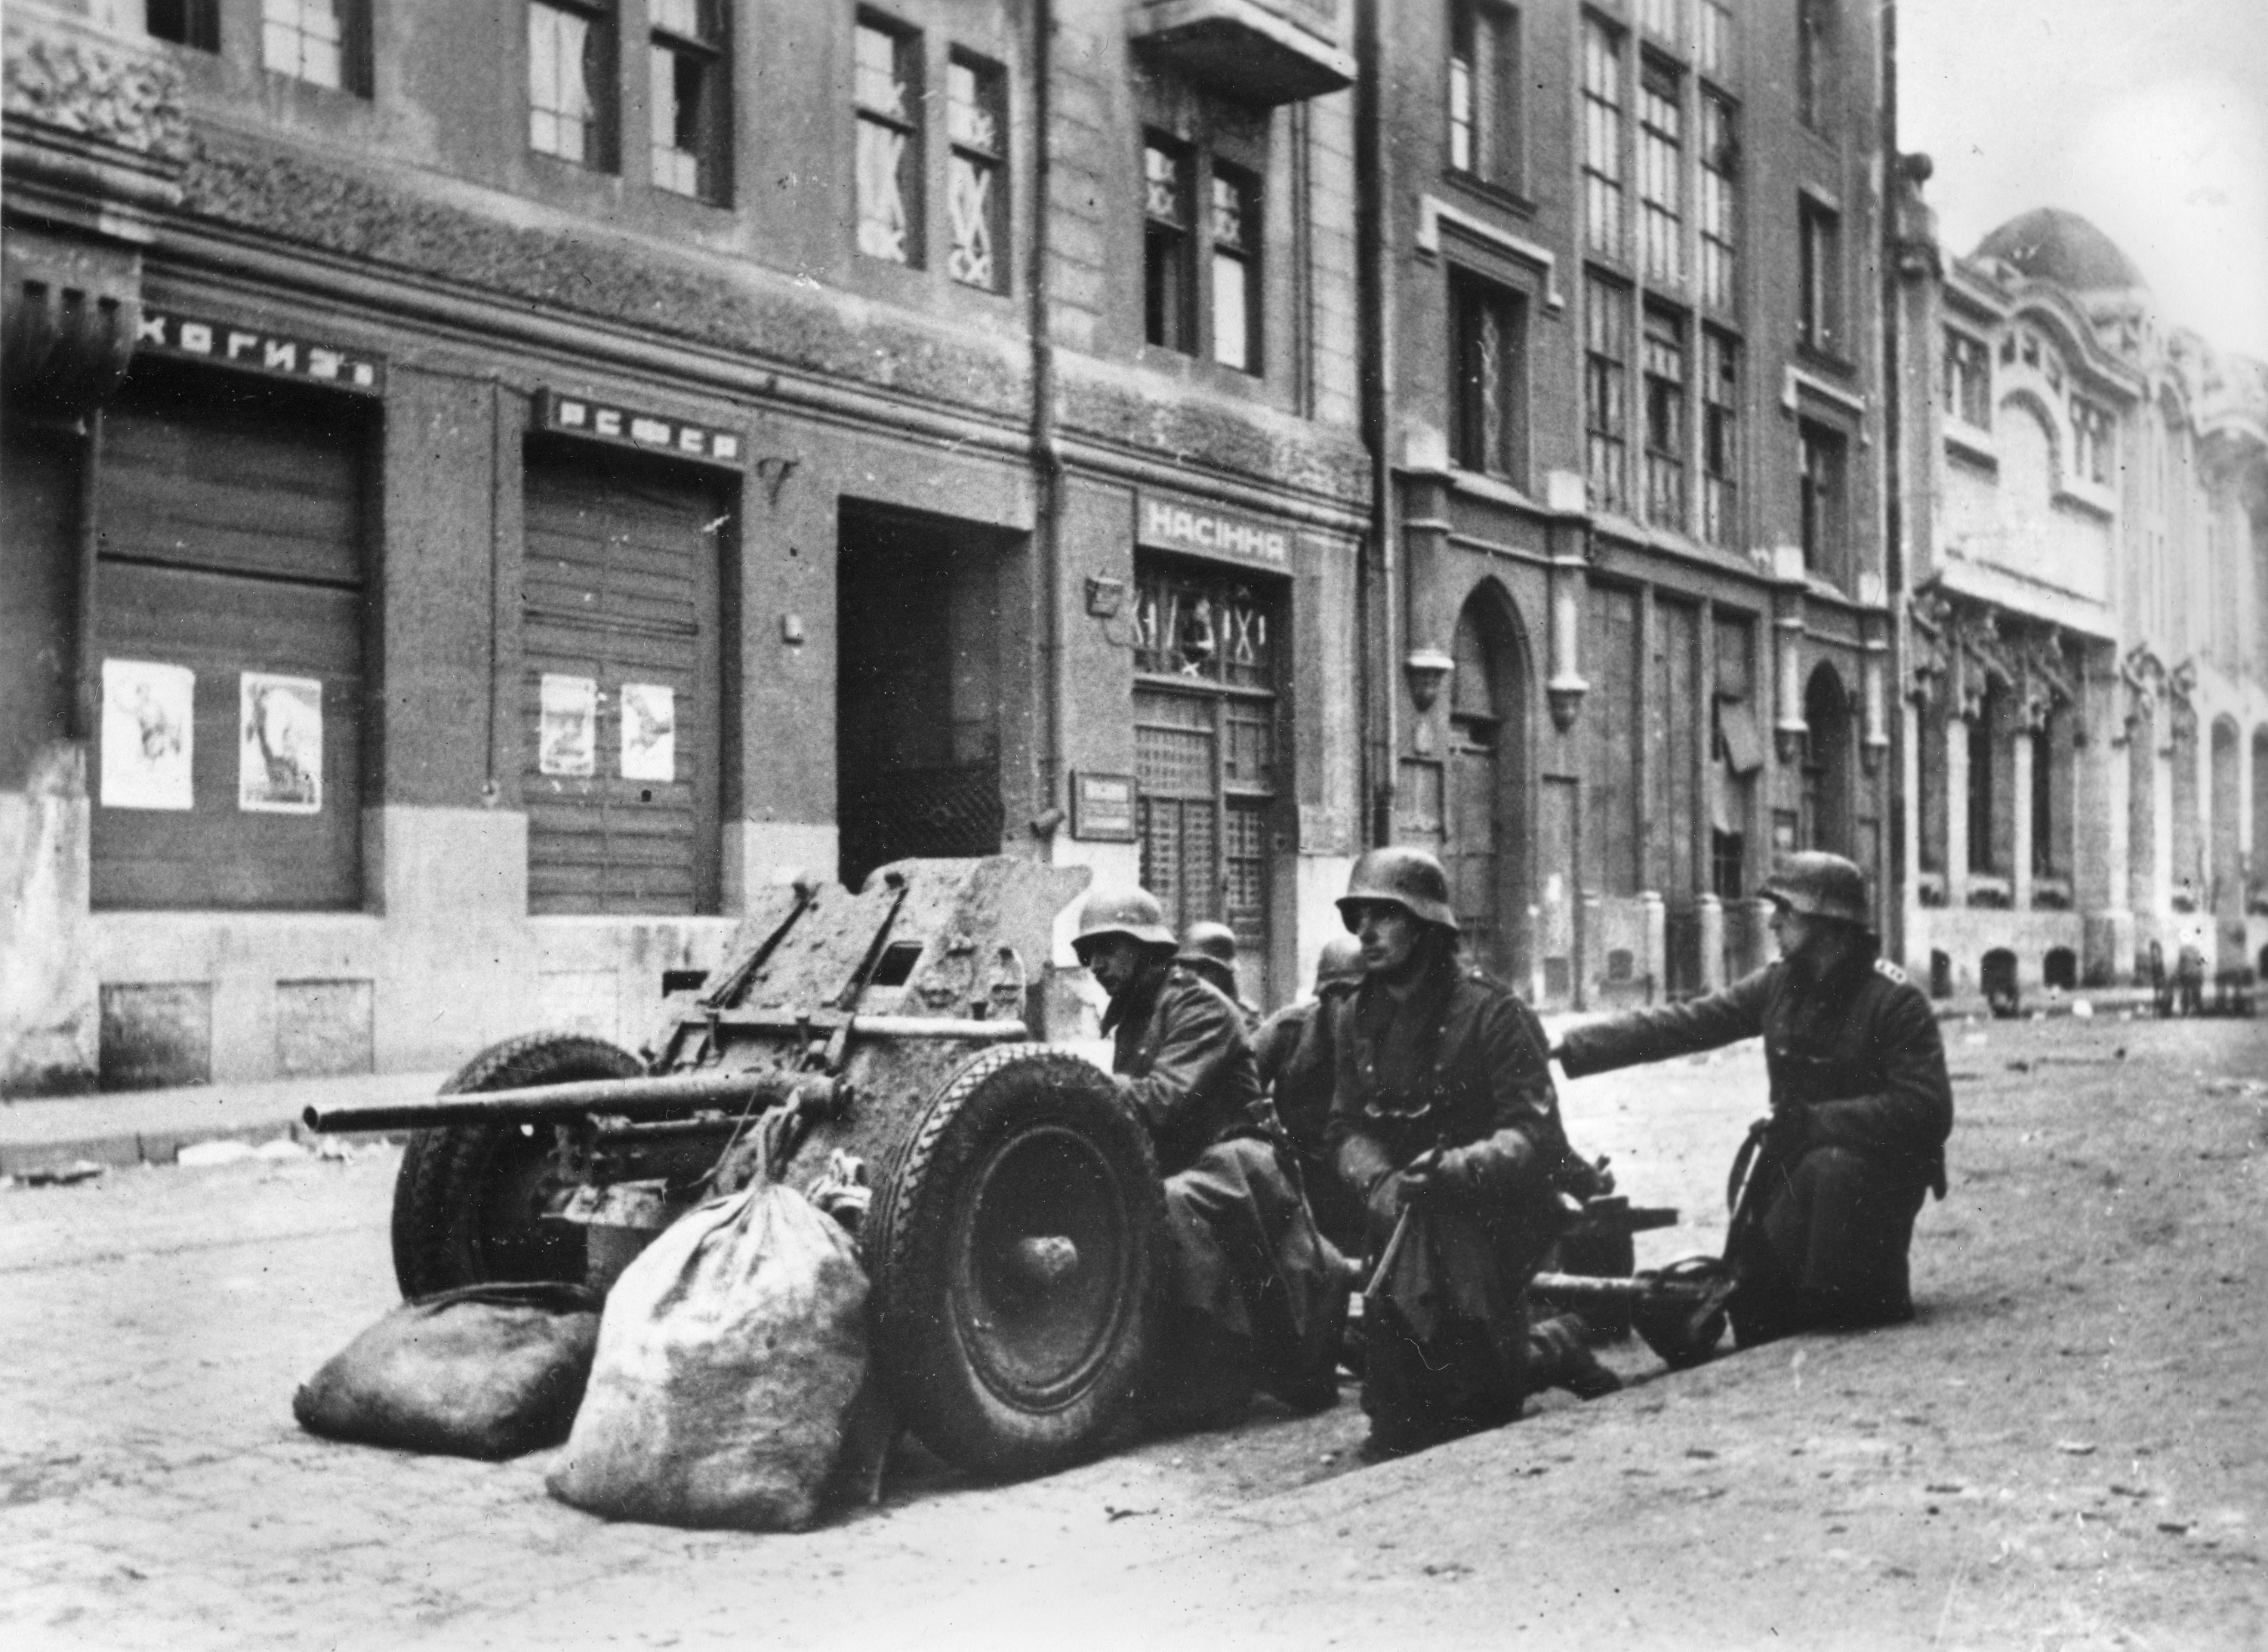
point(1862, 1109)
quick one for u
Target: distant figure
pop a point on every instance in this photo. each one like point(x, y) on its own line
point(1860, 1108)
point(1209, 951)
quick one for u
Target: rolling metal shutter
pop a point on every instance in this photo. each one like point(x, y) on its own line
point(231, 521)
point(620, 586)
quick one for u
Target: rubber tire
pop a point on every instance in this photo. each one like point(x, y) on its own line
point(1016, 1109)
point(445, 1235)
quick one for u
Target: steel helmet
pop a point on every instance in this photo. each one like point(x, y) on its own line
point(1124, 910)
point(1205, 941)
point(1340, 961)
point(1399, 876)
point(1821, 885)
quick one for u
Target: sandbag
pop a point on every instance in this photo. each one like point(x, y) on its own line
point(729, 1356)
point(484, 1371)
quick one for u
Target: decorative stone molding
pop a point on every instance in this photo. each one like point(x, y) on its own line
point(68, 79)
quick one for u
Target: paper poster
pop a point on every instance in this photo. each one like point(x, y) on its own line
point(147, 734)
point(279, 768)
point(649, 732)
point(567, 741)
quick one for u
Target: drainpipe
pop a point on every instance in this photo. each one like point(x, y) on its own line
point(1047, 453)
point(1378, 591)
point(1888, 719)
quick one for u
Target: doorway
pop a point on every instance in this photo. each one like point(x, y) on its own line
point(1485, 831)
point(917, 689)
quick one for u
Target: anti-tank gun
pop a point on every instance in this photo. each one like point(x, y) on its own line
point(1014, 1230)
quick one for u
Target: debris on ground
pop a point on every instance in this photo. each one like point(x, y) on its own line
point(282, 1147)
point(2076, 1448)
point(63, 1175)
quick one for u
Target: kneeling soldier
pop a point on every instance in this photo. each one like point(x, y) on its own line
point(1860, 1108)
point(1445, 1119)
point(1254, 1295)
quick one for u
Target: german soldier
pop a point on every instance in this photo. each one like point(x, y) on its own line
point(1444, 1118)
point(1296, 1049)
point(1255, 1295)
point(1860, 1108)
point(1209, 952)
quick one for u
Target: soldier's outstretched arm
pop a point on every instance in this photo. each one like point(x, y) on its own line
point(1670, 1030)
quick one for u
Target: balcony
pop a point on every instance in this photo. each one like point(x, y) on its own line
point(1260, 52)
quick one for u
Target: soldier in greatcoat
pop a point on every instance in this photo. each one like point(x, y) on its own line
point(1444, 1120)
point(1860, 1108)
point(1255, 1295)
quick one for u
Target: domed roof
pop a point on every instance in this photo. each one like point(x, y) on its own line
point(2053, 244)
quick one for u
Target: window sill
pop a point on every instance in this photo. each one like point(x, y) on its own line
point(1827, 358)
point(1967, 441)
point(1989, 890)
point(2091, 496)
point(1497, 489)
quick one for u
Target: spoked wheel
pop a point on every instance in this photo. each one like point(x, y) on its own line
point(1013, 1248)
point(470, 1201)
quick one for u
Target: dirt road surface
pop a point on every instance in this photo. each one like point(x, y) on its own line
point(2068, 1450)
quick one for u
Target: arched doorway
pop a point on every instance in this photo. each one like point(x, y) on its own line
point(2227, 870)
point(1486, 836)
point(1826, 819)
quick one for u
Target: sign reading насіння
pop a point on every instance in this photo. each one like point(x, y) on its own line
point(1165, 522)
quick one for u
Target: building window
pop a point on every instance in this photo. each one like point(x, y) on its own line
point(1819, 254)
point(2090, 441)
point(1713, 38)
point(1968, 380)
point(888, 96)
point(315, 40)
point(1824, 502)
point(1169, 268)
point(1720, 439)
point(1658, 19)
point(1816, 67)
point(1602, 138)
point(1489, 399)
point(976, 175)
point(1233, 227)
point(1660, 172)
point(691, 107)
point(1720, 200)
point(1606, 391)
point(570, 82)
point(1207, 655)
point(1484, 103)
point(184, 22)
point(1665, 418)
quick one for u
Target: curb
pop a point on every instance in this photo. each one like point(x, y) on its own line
point(124, 1128)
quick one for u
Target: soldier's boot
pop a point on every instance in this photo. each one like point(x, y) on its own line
point(1559, 1356)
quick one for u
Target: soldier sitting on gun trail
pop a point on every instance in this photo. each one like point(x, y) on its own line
point(1296, 1049)
point(1256, 1296)
point(1444, 1118)
point(1860, 1108)
point(1209, 952)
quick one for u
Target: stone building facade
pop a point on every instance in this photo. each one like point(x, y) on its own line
point(2084, 698)
point(488, 486)
point(1632, 471)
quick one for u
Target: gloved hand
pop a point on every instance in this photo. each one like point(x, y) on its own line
point(1487, 1171)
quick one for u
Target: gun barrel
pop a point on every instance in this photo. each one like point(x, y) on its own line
point(663, 1095)
point(1572, 1290)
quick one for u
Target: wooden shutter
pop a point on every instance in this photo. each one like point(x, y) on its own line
point(231, 536)
point(620, 586)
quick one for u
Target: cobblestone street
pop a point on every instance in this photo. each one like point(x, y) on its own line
point(2063, 1451)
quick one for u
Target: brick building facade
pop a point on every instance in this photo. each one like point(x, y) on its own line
point(487, 486)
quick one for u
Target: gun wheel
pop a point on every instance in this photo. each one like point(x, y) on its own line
point(1013, 1247)
point(470, 1201)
